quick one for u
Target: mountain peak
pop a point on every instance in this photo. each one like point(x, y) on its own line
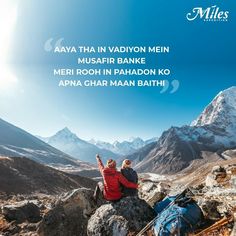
point(134, 139)
point(221, 111)
point(231, 89)
point(92, 141)
point(65, 133)
point(229, 95)
point(15, 141)
point(65, 130)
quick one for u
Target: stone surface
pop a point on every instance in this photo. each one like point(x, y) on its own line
point(129, 215)
point(153, 192)
point(22, 211)
point(211, 181)
point(218, 176)
point(210, 209)
point(218, 169)
point(70, 215)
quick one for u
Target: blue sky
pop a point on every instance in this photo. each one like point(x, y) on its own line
point(202, 58)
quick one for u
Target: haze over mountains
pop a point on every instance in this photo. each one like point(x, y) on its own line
point(17, 142)
point(68, 142)
point(124, 147)
point(178, 148)
point(62, 149)
point(71, 144)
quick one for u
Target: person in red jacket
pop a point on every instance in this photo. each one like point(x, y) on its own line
point(112, 180)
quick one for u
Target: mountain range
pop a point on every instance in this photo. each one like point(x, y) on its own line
point(182, 148)
point(178, 149)
point(70, 143)
point(64, 150)
point(124, 147)
point(17, 142)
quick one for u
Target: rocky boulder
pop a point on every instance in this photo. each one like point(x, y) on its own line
point(231, 171)
point(217, 177)
point(222, 176)
point(22, 211)
point(129, 215)
point(70, 215)
point(153, 192)
point(210, 209)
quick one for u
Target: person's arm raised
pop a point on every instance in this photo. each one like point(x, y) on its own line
point(100, 164)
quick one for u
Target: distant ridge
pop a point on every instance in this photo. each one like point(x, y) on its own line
point(17, 142)
point(19, 175)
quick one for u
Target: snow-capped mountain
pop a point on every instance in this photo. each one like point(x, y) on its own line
point(102, 144)
point(219, 118)
point(127, 147)
point(216, 125)
point(15, 142)
point(221, 111)
point(208, 136)
point(124, 147)
point(71, 144)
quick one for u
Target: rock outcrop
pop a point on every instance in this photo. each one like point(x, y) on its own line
point(153, 192)
point(20, 175)
point(22, 211)
point(70, 215)
point(221, 176)
point(129, 215)
point(76, 214)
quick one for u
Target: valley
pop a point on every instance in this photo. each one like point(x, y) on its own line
point(47, 183)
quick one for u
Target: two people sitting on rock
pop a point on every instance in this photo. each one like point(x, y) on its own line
point(114, 182)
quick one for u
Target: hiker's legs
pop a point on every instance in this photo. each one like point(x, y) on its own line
point(98, 190)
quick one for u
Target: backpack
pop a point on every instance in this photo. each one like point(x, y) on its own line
point(177, 217)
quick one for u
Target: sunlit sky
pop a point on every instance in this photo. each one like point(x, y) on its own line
point(202, 58)
point(8, 16)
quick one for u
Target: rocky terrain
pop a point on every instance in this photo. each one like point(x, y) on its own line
point(36, 199)
point(74, 211)
point(19, 175)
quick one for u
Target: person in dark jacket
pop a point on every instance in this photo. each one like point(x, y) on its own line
point(131, 176)
point(112, 181)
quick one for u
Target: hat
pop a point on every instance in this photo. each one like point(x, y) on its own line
point(126, 163)
point(111, 163)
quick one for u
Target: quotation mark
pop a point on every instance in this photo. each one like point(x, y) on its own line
point(174, 84)
point(49, 45)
